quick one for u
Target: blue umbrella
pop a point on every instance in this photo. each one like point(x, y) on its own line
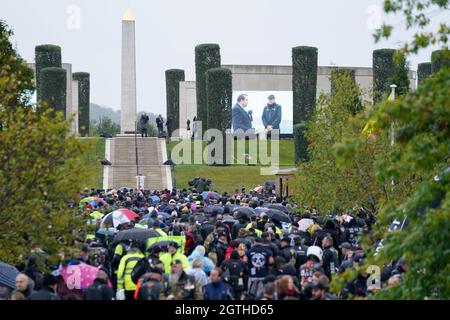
point(155, 198)
point(164, 214)
point(8, 275)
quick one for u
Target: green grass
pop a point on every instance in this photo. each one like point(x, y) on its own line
point(224, 178)
point(229, 178)
point(93, 158)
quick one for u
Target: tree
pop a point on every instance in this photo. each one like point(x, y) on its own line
point(207, 56)
point(12, 67)
point(333, 121)
point(46, 56)
point(421, 150)
point(83, 79)
point(41, 171)
point(173, 78)
point(219, 95)
point(53, 88)
point(105, 128)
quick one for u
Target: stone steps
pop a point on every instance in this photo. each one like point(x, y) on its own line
point(121, 151)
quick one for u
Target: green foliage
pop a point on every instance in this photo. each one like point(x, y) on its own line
point(383, 66)
point(173, 78)
point(219, 95)
point(353, 105)
point(323, 182)
point(105, 127)
point(300, 142)
point(13, 93)
point(53, 88)
point(304, 82)
point(41, 169)
point(46, 56)
point(38, 176)
point(207, 56)
point(421, 150)
point(423, 71)
point(439, 59)
point(83, 79)
point(418, 17)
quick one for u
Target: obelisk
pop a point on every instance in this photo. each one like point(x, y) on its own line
point(128, 100)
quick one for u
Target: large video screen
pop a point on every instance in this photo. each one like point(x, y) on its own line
point(258, 100)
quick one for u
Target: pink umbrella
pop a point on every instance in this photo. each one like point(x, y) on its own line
point(79, 276)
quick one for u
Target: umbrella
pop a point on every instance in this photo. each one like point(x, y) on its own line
point(79, 276)
point(130, 214)
point(161, 244)
point(164, 214)
point(210, 195)
point(259, 189)
point(103, 233)
point(278, 215)
point(214, 209)
point(147, 221)
point(244, 211)
point(8, 275)
point(304, 224)
point(89, 199)
point(115, 219)
point(279, 207)
point(155, 198)
point(260, 210)
point(139, 235)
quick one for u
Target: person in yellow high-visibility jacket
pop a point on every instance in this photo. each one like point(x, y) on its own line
point(125, 285)
point(178, 236)
point(173, 254)
point(162, 236)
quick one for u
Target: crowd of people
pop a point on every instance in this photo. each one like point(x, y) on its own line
point(190, 245)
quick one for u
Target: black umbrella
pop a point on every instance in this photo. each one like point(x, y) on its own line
point(161, 244)
point(214, 209)
point(8, 275)
point(278, 216)
point(139, 235)
point(244, 211)
point(278, 206)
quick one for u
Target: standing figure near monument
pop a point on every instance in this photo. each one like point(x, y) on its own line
point(188, 122)
point(271, 116)
point(241, 119)
point(169, 126)
point(194, 127)
point(160, 125)
point(143, 123)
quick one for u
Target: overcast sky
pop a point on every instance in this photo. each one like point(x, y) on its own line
point(167, 31)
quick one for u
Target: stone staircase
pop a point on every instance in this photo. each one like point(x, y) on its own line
point(151, 156)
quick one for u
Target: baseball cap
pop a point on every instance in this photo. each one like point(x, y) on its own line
point(345, 245)
point(271, 96)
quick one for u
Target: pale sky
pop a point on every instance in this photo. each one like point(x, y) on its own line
point(167, 31)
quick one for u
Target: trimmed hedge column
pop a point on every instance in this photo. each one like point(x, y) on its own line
point(173, 78)
point(300, 142)
point(207, 56)
point(53, 88)
point(304, 82)
point(304, 87)
point(439, 59)
point(219, 102)
point(46, 56)
point(83, 101)
point(423, 71)
point(383, 67)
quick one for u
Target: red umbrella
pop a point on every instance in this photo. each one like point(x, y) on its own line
point(128, 213)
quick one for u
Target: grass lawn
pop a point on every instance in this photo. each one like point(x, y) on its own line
point(224, 178)
point(228, 178)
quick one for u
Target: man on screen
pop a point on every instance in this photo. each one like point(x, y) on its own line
point(271, 116)
point(241, 119)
